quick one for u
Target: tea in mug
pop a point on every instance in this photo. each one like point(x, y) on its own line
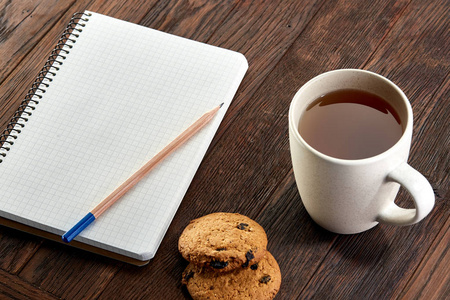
point(350, 124)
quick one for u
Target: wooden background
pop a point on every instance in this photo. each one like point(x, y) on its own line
point(247, 169)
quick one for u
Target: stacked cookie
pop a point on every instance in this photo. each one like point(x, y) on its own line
point(228, 259)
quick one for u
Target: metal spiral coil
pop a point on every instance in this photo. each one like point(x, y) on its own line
point(42, 82)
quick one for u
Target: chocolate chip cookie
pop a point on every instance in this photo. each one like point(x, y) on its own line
point(259, 281)
point(223, 242)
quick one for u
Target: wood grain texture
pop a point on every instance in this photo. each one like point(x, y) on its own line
point(16, 248)
point(248, 168)
point(196, 20)
point(431, 279)
point(69, 273)
point(11, 287)
point(22, 25)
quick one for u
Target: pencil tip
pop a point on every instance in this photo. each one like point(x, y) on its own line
point(221, 104)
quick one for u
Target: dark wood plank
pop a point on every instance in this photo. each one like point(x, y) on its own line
point(22, 25)
point(68, 272)
point(195, 20)
point(432, 279)
point(11, 287)
point(132, 11)
point(431, 150)
point(16, 248)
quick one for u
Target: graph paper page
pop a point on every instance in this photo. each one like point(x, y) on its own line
point(123, 93)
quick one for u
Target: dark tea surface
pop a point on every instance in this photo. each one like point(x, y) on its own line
point(350, 124)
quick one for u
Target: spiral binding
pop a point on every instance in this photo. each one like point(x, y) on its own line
point(42, 81)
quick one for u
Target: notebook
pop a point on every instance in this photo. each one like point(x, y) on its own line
point(111, 95)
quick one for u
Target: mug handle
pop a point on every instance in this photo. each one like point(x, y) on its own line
point(420, 190)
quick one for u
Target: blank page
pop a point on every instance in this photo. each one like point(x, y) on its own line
point(123, 93)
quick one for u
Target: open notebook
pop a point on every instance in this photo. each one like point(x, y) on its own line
point(111, 95)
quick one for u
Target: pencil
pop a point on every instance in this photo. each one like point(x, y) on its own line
point(136, 177)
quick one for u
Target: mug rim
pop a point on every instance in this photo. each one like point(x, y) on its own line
point(379, 156)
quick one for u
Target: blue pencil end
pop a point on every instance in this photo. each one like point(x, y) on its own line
point(79, 227)
point(65, 239)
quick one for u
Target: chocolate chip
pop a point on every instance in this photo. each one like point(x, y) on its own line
point(254, 267)
point(221, 249)
point(211, 287)
point(188, 276)
point(217, 264)
point(265, 279)
point(249, 256)
point(242, 226)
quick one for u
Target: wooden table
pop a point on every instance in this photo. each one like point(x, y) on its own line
point(248, 169)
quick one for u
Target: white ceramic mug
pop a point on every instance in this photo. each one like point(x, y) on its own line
point(351, 196)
